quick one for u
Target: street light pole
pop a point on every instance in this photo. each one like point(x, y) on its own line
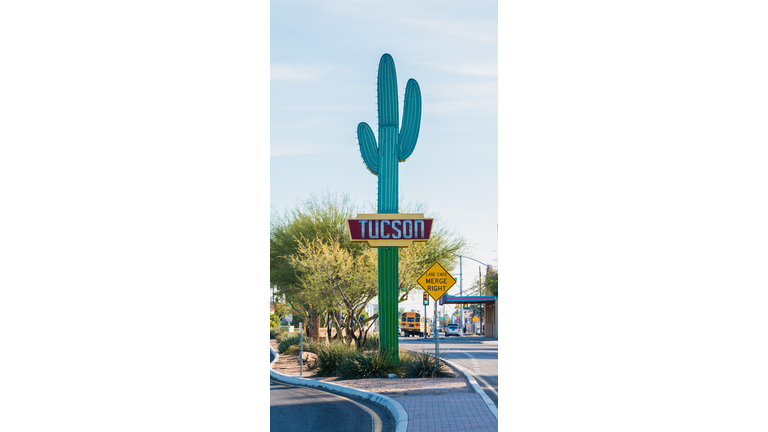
point(461, 305)
point(461, 293)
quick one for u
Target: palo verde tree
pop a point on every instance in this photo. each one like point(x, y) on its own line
point(322, 218)
point(342, 280)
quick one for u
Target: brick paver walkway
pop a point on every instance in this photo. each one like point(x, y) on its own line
point(450, 413)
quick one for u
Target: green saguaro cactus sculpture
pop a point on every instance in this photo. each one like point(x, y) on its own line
point(395, 145)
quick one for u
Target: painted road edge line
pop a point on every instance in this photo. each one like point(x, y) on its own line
point(397, 410)
point(478, 389)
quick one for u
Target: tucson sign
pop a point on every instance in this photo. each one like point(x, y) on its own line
point(389, 229)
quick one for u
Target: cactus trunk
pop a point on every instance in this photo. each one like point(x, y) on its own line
point(388, 294)
point(388, 256)
point(388, 169)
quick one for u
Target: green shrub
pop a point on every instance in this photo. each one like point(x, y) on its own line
point(275, 332)
point(292, 350)
point(371, 364)
point(312, 347)
point(371, 343)
point(284, 334)
point(423, 365)
point(330, 357)
point(286, 342)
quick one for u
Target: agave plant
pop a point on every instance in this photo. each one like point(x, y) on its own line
point(330, 357)
point(371, 364)
point(424, 365)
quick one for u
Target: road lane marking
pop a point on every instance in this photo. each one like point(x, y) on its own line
point(377, 425)
point(476, 366)
point(376, 419)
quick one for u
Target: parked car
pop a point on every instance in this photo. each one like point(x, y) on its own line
point(451, 329)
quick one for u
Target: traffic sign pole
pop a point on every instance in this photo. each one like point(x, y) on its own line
point(437, 338)
point(301, 349)
point(425, 319)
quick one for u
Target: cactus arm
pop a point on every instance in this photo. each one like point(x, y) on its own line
point(368, 147)
point(387, 92)
point(411, 120)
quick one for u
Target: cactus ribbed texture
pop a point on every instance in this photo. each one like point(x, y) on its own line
point(395, 145)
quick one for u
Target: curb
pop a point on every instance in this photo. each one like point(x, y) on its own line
point(397, 410)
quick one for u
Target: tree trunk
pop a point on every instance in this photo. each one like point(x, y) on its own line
point(328, 327)
point(313, 324)
point(336, 324)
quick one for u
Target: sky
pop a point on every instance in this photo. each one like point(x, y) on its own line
point(323, 67)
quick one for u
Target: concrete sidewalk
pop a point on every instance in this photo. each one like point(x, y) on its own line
point(454, 413)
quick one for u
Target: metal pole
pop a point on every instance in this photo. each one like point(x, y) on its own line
point(301, 349)
point(437, 339)
point(425, 321)
point(461, 305)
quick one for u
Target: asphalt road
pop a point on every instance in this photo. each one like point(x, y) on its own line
point(479, 356)
point(294, 408)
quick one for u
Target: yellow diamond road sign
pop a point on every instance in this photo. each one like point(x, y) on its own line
point(436, 281)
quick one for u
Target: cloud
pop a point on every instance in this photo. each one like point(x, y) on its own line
point(303, 146)
point(489, 70)
point(482, 29)
point(475, 96)
point(295, 72)
point(294, 149)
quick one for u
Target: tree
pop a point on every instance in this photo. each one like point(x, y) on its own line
point(281, 310)
point(319, 217)
point(492, 282)
point(334, 273)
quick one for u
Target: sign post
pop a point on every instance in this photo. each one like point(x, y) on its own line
point(437, 335)
point(425, 321)
point(426, 303)
point(301, 348)
point(436, 282)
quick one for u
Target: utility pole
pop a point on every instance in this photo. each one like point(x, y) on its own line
point(480, 280)
point(461, 293)
point(461, 305)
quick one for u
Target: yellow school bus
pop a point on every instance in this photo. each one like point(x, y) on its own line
point(412, 323)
